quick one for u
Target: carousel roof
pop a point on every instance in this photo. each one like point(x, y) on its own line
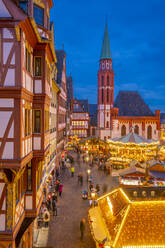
point(133, 138)
point(128, 223)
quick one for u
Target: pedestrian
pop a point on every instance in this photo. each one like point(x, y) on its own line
point(54, 207)
point(48, 203)
point(81, 179)
point(91, 186)
point(60, 189)
point(54, 196)
point(72, 171)
point(46, 217)
point(97, 188)
point(57, 185)
point(79, 175)
point(57, 173)
point(82, 228)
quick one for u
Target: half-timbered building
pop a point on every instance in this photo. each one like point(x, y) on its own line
point(62, 102)
point(80, 119)
point(26, 58)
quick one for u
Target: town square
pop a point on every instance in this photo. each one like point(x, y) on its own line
point(82, 124)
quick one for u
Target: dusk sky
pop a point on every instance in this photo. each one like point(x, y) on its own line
point(137, 36)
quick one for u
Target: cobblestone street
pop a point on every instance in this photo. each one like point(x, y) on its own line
point(64, 230)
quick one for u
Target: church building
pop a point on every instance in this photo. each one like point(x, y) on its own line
point(128, 112)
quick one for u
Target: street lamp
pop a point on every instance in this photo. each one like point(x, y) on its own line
point(88, 173)
point(93, 196)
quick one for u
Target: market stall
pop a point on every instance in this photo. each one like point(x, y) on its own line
point(131, 147)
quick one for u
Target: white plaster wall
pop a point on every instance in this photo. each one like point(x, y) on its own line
point(2, 222)
point(11, 131)
point(7, 34)
point(101, 119)
point(28, 202)
point(3, 10)
point(1, 188)
point(6, 102)
point(13, 59)
point(6, 50)
point(26, 147)
point(8, 152)
point(28, 82)
point(105, 133)
point(63, 76)
point(4, 117)
point(23, 147)
point(4, 204)
point(10, 78)
point(38, 86)
point(37, 143)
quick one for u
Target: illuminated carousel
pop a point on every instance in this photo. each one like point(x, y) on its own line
point(131, 147)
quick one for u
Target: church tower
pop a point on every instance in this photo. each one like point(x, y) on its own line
point(105, 89)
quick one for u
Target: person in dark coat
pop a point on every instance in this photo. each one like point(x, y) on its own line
point(60, 189)
point(54, 207)
point(82, 228)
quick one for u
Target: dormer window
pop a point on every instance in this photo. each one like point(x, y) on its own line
point(39, 15)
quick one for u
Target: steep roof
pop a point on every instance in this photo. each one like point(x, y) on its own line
point(93, 114)
point(130, 103)
point(106, 51)
point(84, 104)
point(60, 54)
point(129, 223)
point(9, 10)
point(162, 118)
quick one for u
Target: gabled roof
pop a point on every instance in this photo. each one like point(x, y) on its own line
point(162, 118)
point(9, 10)
point(130, 103)
point(132, 170)
point(60, 54)
point(84, 105)
point(106, 51)
point(128, 223)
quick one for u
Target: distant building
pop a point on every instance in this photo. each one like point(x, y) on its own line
point(62, 102)
point(80, 119)
point(115, 119)
point(162, 127)
point(69, 103)
point(93, 119)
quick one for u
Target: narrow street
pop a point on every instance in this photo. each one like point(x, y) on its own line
point(64, 230)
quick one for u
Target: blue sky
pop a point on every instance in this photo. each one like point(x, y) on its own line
point(137, 36)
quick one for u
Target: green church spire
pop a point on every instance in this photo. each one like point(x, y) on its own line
point(106, 51)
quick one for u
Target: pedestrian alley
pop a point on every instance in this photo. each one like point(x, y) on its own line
point(64, 229)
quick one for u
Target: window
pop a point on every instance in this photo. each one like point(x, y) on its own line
point(29, 177)
point(37, 121)
point(107, 96)
point(24, 5)
point(46, 121)
point(152, 193)
point(38, 15)
point(144, 194)
point(27, 122)
point(27, 60)
point(107, 124)
point(102, 96)
point(123, 130)
point(102, 80)
point(136, 130)
point(149, 132)
point(37, 64)
point(108, 80)
point(135, 193)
